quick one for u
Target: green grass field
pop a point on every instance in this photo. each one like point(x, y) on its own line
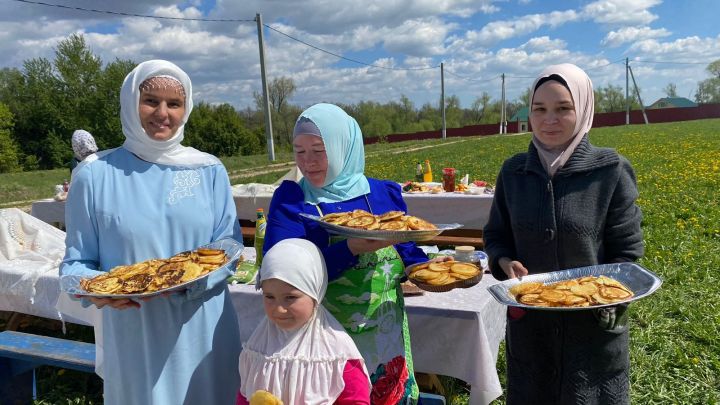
point(675, 333)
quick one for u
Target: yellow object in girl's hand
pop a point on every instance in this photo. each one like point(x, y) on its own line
point(262, 397)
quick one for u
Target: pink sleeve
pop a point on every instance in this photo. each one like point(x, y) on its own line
point(241, 400)
point(357, 385)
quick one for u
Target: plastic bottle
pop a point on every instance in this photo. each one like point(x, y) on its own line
point(260, 224)
point(419, 172)
point(427, 173)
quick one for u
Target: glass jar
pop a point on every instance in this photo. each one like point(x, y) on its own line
point(465, 254)
point(449, 179)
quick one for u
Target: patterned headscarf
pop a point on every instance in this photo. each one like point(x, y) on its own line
point(345, 153)
point(581, 90)
point(83, 144)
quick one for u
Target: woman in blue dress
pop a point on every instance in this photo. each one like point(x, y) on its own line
point(364, 292)
point(152, 198)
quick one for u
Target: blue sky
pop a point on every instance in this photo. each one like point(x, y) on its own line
point(477, 40)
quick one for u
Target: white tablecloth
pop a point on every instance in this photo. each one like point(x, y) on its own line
point(49, 210)
point(456, 333)
point(471, 210)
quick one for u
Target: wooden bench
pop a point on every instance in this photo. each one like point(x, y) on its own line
point(452, 238)
point(21, 353)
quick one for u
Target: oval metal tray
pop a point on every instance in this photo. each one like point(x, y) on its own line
point(233, 249)
point(416, 236)
point(640, 280)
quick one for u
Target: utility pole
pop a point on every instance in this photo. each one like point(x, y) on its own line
point(266, 104)
point(627, 92)
point(503, 119)
point(442, 99)
point(638, 95)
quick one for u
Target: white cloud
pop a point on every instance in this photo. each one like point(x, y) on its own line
point(632, 34)
point(498, 31)
point(621, 12)
point(689, 49)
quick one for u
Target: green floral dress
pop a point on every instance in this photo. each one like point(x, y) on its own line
point(367, 300)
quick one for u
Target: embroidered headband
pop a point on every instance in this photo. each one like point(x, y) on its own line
point(163, 82)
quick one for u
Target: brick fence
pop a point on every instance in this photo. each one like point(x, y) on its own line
point(599, 120)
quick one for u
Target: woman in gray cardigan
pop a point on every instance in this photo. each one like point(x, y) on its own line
point(563, 204)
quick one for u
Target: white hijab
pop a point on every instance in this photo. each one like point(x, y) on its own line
point(168, 152)
point(581, 90)
point(304, 366)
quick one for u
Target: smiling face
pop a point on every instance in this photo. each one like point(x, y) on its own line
point(161, 112)
point(311, 158)
point(286, 306)
point(553, 115)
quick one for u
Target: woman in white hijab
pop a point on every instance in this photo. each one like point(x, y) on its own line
point(152, 198)
point(564, 204)
point(300, 353)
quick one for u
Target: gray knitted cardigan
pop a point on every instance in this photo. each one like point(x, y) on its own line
point(585, 215)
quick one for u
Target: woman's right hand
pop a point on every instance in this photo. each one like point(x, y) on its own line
point(512, 268)
point(117, 303)
point(358, 245)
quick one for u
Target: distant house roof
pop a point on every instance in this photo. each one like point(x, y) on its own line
point(521, 115)
point(672, 102)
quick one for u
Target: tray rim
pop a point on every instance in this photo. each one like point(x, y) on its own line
point(75, 279)
point(503, 297)
point(414, 235)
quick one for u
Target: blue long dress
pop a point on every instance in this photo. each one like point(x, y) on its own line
point(177, 349)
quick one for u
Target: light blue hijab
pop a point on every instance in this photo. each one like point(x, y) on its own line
point(345, 153)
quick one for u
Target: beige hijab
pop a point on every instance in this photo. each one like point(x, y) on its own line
point(581, 90)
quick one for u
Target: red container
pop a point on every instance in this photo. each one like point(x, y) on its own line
point(449, 179)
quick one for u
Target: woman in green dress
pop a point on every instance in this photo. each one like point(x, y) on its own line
point(364, 293)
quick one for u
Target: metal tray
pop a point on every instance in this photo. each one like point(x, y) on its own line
point(640, 280)
point(233, 249)
point(381, 234)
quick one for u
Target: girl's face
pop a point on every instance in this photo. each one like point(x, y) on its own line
point(161, 112)
point(285, 305)
point(311, 158)
point(553, 115)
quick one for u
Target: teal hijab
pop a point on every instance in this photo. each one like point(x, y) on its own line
point(345, 153)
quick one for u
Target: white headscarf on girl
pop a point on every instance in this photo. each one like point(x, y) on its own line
point(581, 90)
point(168, 152)
point(303, 366)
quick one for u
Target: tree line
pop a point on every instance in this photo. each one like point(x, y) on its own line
point(45, 101)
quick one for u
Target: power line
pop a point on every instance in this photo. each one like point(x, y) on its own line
point(346, 58)
point(120, 13)
point(472, 80)
point(670, 63)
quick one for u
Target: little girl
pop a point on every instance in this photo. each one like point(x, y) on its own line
point(299, 352)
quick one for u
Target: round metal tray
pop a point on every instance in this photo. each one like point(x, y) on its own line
point(417, 236)
point(233, 249)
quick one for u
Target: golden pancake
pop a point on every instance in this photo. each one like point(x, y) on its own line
point(439, 266)
point(525, 288)
point(393, 226)
point(209, 252)
point(361, 221)
point(465, 269)
point(390, 215)
point(105, 285)
point(136, 283)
